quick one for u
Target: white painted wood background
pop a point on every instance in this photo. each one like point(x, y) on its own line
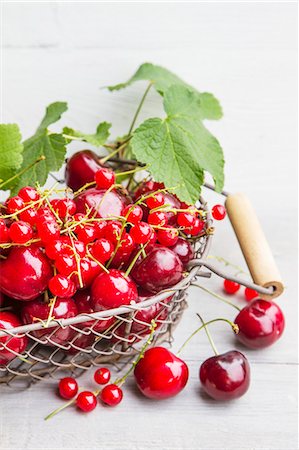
point(245, 53)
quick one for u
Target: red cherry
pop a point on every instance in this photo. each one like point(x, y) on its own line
point(102, 375)
point(86, 401)
point(16, 343)
point(143, 317)
point(89, 269)
point(4, 232)
point(104, 178)
point(161, 269)
point(28, 194)
point(14, 204)
point(141, 232)
point(250, 294)
point(48, 230)
point(147, 186)
point(111, 290)
point(184, 250)
point(260, 324)
point(68, 388)
point(185, 219)
point(81, 169)
point(230, 287)
point(102, 203)
point(157, 218)
point(155, 200)
point(111, 395)
point(29, 216)
point(83, 302)
point(218, 212)
point(133, 213)
point(20, 232)
point(33, 271)
point(197, 227)
point(168, 237)
point(226, 376)
point(102, 250)
point(61, 286)
point(64, 308)
point(64, 207)
point(160, 374)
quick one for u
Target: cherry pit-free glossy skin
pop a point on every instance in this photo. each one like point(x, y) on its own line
point(81, 169)
point(25, 273)
point(225, 376)
point(102, 203)
point(16, 343)
point(160, 374)
point(260, 324)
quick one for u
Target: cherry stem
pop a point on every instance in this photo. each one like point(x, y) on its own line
point(208, 335)
point(234, 327)
point(139, 107)
point(17, 175)
point(219, 297)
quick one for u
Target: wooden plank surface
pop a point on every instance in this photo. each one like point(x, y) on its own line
point(245, 53)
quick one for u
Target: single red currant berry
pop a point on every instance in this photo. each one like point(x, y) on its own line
point(186, 219)
point(14, 204)
point(4, 232)
point(102, 375)
point(28, 194)
point(157, 218)
point(111, 395)
point(100, 228)
point(86, 401)
point(74, 247)
point(20, 232)
point(230, 287)
point(29, 215)
point(65, 264)
point(48, 230)
point(55, 248)
point(113, 231)
point(250, 294)
point(218, 212)
point(168, 237)
point(155, 200)
point(87, 233)
point(64, 207)
point(141, 232)
point(133, 213)
point(197, 228)
point(68, 388)
point(104, 178)
point(102, 250)
point(62, 286)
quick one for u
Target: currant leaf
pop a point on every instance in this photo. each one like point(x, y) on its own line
point(179, 148)
point(11, 150)
point(162, 79)
point(98, 138)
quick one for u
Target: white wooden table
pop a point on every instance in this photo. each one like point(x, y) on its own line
point(246, 55)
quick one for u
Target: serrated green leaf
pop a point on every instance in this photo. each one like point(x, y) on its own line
point(98, 138)
point(43, 144)
point(162, 79)
point(11, 150)
point(179, 148)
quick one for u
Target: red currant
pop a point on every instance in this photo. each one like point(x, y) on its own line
point(65, 264)
point(104, 178)
point(186, 219)
point(168, 237)
point(55, 248)
point(102, 250)
point(155, 200)
point(157, 218)
point(64, 207)
point(48, 230)
point(4, 232)
point(230, 287)
point(141, 232)
point(68, 388)
point(100, 228)
point(250, 294)
point(111, 395)
point(74, 247)
point(102, 375)
point(20, 232)
point(29, 216)
point(133, 213)
point(112, 231)
point(86, 401)
point(197, 227)
point(28, 194)
point(218, 212)
point(62, 286)
point(87, 233)
point(14, 204)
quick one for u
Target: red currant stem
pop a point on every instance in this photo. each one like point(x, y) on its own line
point(14, 244)
point(141, 250)
point(120, 381)
point(128, 172)
point(17, 175)
point(83, 188)
point(6, 308)
point(234, 327)
point(61, 408)
point(152, 194)
point(139, 107)
point(98, 262)
point(219, 297)
point(53, 212)
point(77, 258)
point(227, 263)
point(208, 335)
point(52, 305)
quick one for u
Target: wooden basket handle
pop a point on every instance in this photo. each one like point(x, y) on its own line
point(253, 243)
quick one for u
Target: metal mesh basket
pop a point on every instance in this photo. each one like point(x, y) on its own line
point(45, 356)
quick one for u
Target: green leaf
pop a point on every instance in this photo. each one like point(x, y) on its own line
point(162, 79)
point(44, 152)
point(98, 138)
point(179, 148)
point(11, 150)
